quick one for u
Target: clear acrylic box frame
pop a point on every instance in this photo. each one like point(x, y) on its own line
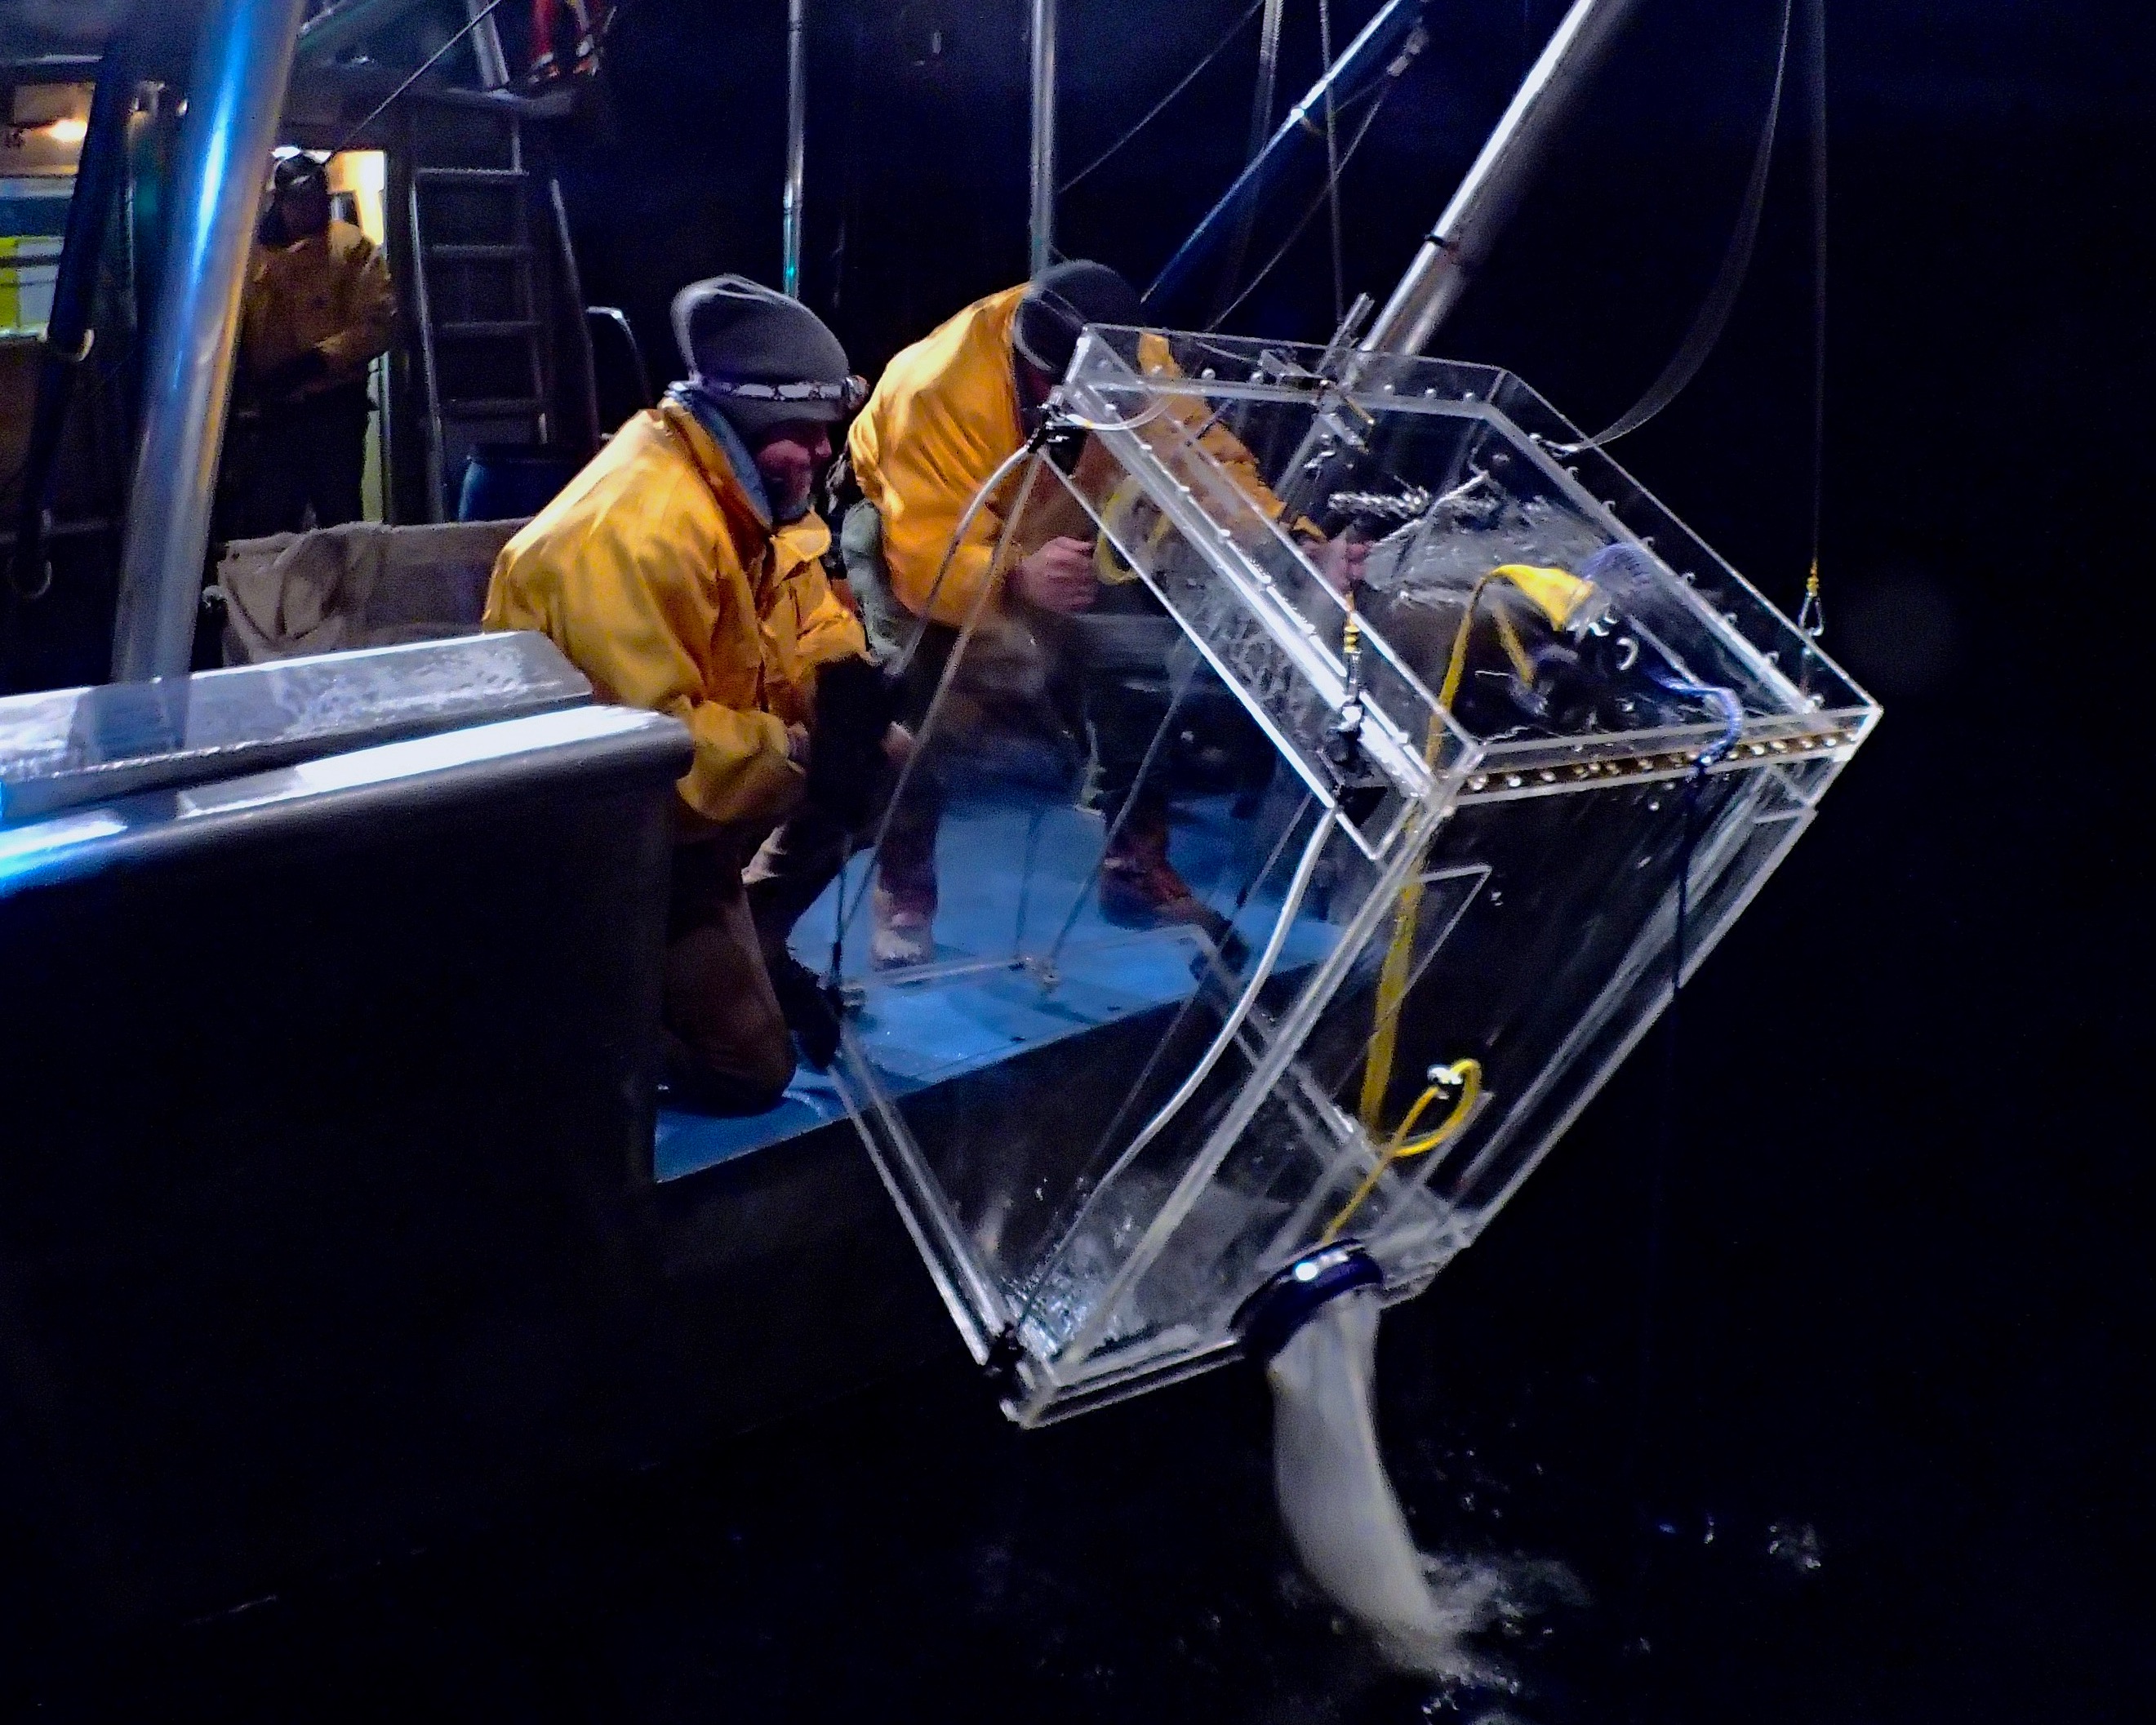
point(1526, 876)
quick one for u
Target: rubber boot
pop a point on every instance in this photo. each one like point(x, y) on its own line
point(903, 905)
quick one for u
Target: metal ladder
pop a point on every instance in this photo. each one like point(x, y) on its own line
point(482, 311)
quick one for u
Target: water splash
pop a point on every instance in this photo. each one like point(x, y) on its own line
point(1797, 1546)
point(1346, 1523)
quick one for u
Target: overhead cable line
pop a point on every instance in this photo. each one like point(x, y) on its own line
point(1261, 128)
point(1377, 100)
point(1811, 618)
point(1155, 111)
point(1333, 167)
point(1713, 314)
point(425, 66)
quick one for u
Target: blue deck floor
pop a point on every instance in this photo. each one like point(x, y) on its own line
point(1009, 875)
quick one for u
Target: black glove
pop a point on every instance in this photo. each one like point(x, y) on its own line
point(807, 1009)
point(280, 382)
point(855, 704)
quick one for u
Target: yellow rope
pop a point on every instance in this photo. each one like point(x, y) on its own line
point(1467, 1074)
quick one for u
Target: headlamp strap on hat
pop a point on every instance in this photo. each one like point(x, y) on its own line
point(851, 393)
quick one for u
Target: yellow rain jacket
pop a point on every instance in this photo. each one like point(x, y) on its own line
point(330, 291)
point(663, 582)
point(943, 415)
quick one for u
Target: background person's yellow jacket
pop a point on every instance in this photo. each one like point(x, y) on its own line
point(945, 412)
point(330, 291)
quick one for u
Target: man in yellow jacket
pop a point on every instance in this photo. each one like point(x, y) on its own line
point(319, 307)
point(681, 571)
point(946, 412)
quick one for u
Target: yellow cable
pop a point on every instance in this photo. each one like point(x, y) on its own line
point(1559, 595)
point(1515, 649)
point(1468, 1076)
point(1399, 955)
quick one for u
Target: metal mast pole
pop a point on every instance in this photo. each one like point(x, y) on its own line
point(234, 98)
point(1043, 250)
point(101, 170)
point(797, 143)
point(1457, 246)
point(1387, 46)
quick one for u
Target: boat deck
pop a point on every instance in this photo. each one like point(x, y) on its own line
point(977, 1006)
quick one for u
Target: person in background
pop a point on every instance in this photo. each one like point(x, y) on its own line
point(586, 21)
point(318, 308)
point(947, 411)
point(681, 571)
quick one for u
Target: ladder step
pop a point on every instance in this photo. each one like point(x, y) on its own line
point(462, 254)
point(493, 407)
point(482, 330)
point(471, 176)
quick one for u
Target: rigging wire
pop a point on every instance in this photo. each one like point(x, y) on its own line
point(1261, 129)
point(1811, 618)
point(425, 66)
point(1377, 100)
point(1184, 83)
point(1332, 163)
point(1713, 314)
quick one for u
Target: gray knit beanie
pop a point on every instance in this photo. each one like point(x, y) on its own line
point(762, 359)
point(1061, 301)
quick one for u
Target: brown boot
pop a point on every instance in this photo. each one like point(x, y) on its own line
point(1139, 886)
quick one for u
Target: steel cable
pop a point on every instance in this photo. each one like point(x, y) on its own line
point(1154, 112)
point(1713, 314)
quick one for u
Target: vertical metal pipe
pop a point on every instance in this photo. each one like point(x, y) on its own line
point(1457, 246)
point(486, 45)
point(233, 100)
point(797, 143)
point(573, 278)
point(1043, 250)
point(101, 170)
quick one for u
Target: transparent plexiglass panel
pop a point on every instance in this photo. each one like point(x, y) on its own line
point(1309, 883)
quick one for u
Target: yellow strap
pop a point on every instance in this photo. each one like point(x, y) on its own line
point(1509, 637)
point(1557, 593)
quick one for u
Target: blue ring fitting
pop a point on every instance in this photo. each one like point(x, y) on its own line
point(1292, 1298)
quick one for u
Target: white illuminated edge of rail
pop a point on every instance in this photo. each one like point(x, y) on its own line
point(383, 763)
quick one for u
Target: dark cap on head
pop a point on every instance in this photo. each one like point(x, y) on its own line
point(294, 173)
point(1062, 300)
point(765, 359)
